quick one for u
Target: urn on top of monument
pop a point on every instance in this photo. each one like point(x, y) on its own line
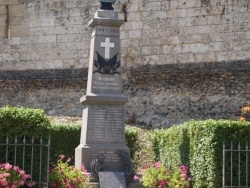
point(107, 4)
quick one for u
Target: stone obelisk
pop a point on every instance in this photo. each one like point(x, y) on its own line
point(102, 132)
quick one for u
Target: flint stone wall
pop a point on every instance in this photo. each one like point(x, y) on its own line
point(164, 95)
point(181, 59)
point(160, 95)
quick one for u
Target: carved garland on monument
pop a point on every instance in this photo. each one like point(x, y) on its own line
point(129, 170)
point(96, 165)
point(107, 67)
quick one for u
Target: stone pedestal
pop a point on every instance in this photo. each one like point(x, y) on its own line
point(102, 133)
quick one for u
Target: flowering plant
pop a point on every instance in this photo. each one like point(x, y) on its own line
point(65, 176)
point(13, 177)
point(245, 113)
point(159, 176)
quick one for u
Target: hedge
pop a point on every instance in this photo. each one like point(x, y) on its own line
point(29, 122)
point(131, 136)
point(198, 144)
point(23, 121)
point(20, 122)
point(66, 137)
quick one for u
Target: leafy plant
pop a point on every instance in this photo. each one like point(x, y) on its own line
point(23, 121)
point(199, 145)
point(26, 124)
point(96, 165)
point(13, 177)
point(131, 134)
point(159, 176)
point(129, 170)
point(70, 134)
point(64, 176)
point(245, 115)
point(144, 154)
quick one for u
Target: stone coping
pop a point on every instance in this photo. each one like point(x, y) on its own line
point(193, 67)
point(114, 99)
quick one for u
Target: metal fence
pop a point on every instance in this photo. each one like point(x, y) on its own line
point(32, 155)
point(235, 170)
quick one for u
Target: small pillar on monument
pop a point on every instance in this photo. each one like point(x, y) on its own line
point(103, 127)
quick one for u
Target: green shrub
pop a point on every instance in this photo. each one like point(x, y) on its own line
point(23, 121)
point(131, 135)
point(64, 139)
point(198, 144)
point(176, 142)
point(158, 139)
point(20, 122)
point(143, 155)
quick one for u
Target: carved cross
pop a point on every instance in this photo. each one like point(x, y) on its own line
point(107, 45)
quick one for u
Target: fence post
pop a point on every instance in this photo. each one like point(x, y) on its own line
point(42, 181)
point(223, 166)
point(40, 168)
point(49, 141)
point(15, 150)
point(246, 164)
point(32, 157)
point(231, 163)
point(236, 155)
point(239, 150)
point(24, 143)
point(7, 149)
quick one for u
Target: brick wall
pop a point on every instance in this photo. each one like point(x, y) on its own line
point(166, 47)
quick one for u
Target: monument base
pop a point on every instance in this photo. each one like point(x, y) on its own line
point(114, 156)
point(130, 185)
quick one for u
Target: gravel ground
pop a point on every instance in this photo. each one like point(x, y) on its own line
point(65, 119)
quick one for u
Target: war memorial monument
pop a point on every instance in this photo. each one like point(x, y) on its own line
point(102, 146)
